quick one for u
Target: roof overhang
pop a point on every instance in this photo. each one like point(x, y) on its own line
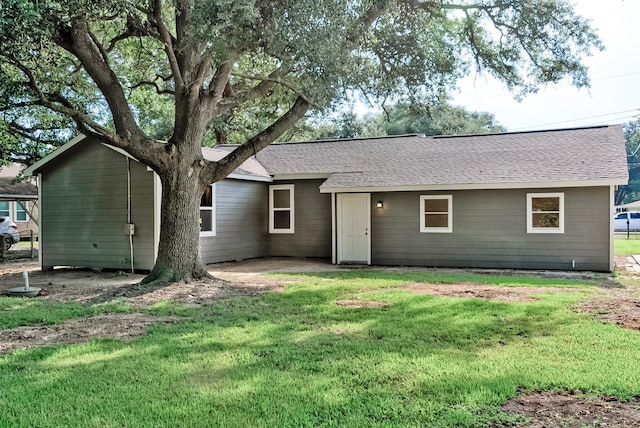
point(18, 197)
point(248, 177)
point(34, 169)
point(322, 175)
point(474, 186)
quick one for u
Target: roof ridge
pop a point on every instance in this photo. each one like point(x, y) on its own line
point(535, 131)
point(339, 140)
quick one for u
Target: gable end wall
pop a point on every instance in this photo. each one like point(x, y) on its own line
point(84, 211)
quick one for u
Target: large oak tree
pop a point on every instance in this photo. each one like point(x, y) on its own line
point(113, 68)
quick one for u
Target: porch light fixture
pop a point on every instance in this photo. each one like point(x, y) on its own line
point(379, 204)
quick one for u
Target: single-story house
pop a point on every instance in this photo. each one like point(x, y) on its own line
point(19, 199)
point(527, 200)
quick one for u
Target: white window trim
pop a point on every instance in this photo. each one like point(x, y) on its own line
point(530, 227)
point(291, 208)
point(15, 212)
point(213, 210)
point(423, 227)
point(10, 209)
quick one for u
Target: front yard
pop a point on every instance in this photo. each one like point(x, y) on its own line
point(348, 347)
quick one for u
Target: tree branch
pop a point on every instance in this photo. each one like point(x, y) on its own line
point(273, 81)
point(153, 84)
point(169, 44)
point(77, 41)
point(215, 171)
point(221, 78)
point(260, 90)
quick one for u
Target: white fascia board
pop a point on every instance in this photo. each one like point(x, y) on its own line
point(250, 177)
point(478, 186)
point(51, 156)
point(277, 177)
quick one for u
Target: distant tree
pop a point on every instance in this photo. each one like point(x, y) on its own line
point(631, 192)
point(440, 119)
point(405, 118)
point(116, 68)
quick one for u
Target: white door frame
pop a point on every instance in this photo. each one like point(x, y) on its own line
point(340, 198)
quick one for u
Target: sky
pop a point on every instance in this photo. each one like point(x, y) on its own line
point(614, 96)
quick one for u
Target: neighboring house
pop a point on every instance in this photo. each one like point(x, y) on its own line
point(528, 200)
point(19, 200)
point(631, 206)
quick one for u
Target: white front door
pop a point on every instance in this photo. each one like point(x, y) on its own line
point(354, 226)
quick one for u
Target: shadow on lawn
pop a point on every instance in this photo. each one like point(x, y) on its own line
point(490, 277)
point(288, 359)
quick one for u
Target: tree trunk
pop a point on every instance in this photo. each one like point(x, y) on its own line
point(179, 246)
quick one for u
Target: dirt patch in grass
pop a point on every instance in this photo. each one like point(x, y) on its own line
point(619, 307)
point(482, 291)
point(354, 303)
point(546, 409)
point(95, 286)
point(118, 326)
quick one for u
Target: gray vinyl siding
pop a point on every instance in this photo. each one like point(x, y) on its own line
point(490, 231)
point(84, 210)
point(312, 237)
point(241, 222)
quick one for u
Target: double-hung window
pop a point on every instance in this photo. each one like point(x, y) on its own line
point(436, 213)
point(21, 212)
point(5, 209)
point(545, 212)
point(281, 209)
point(208, 212)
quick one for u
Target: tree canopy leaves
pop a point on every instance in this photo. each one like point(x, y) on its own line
point(58, 54)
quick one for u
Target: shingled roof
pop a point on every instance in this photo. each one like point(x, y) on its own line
point(567, 157)
point(10, 189)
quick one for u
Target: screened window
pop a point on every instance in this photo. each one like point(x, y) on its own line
point(208, 212)
point(545, 213)
point(21, 213)
point(5, 210)
point(281, 209)
point(436, 213)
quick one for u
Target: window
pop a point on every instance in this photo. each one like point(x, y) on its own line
point(208, 212)
point(281, 210)
point(5, 210)
point(21, 213)
point(436, 214)
point(545, 212)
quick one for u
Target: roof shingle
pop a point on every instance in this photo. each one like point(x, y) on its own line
point(568, 155)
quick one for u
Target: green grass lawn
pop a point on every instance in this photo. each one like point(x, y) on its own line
point(624, 246)
point(296, 359)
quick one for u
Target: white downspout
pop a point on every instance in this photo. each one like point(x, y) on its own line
point(40, 206)
point(333, 228)
point(129, 212)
